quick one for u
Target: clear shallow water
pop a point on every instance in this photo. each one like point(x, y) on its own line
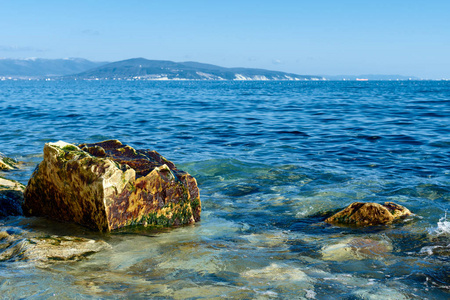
point(271, 160)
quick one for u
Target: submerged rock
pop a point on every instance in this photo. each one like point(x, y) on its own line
point(109, 185)
point(368, 214)
point(11, 197)
point(357, 249)
point(281, 277)
point(19, 245)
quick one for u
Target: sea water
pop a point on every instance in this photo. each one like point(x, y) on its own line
point(272, 160)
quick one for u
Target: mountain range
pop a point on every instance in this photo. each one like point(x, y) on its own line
point(134, 69)
point(40, 67)
point(144, 69)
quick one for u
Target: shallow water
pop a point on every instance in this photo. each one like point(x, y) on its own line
point(272, 159)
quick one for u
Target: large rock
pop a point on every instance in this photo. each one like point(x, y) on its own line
point(11, 197)
point(109, 185)
point(368, 214)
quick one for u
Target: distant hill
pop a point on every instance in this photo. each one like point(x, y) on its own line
point(39, 67)
point(144, 69)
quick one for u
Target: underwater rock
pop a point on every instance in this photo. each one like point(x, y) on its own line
point(108, 185)
point(368, 214)
point(281, 277)
point(19, 245)
point(7, 163)
point(356, 249)
point(11, 197)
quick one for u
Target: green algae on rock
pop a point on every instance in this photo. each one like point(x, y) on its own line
point(369, 214)
point(7, 163)
point(11, 197)
point(109, 185)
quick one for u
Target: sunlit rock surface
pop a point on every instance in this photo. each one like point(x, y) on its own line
point(7, 163)
point(368, 214)
point(109, 185)
point(11, 197)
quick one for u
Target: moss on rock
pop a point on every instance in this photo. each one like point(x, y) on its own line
point(7, 163)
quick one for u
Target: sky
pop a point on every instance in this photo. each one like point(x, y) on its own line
point(314, 37)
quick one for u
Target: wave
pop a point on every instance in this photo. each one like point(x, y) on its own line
point(442, 228)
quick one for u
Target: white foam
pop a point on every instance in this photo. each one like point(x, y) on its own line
point(442, 228)
point(429, 250)
point(310, 294)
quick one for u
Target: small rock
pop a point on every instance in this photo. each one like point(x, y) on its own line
point(11, 197)
point(108, 185)
point(369, 214)
point(7, 163)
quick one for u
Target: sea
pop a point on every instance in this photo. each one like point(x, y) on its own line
point(272, 160)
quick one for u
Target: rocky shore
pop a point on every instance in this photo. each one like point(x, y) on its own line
point(108, 185)
point(102, 186)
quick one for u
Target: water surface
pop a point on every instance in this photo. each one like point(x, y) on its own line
point(272, 159)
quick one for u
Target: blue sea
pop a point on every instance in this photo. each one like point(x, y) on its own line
point(272, 160)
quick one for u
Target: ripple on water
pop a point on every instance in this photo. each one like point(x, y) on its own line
point(273, 160)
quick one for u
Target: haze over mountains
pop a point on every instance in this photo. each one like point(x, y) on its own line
point(40, 67)
point(144, 69)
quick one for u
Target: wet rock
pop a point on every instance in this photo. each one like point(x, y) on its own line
point(356, 249)
point(368, 214)
point(7, 163)
point(19, 245)
point(108, 185)
point(11, 197)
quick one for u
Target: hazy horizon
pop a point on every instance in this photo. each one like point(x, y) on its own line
point(322, 38)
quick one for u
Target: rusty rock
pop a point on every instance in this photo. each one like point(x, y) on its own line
point(109, 185)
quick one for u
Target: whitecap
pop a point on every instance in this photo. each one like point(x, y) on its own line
point(431, 250)
point(310, 294)
point(442, 228)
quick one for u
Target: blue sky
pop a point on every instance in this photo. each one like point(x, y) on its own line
point(304, 37)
